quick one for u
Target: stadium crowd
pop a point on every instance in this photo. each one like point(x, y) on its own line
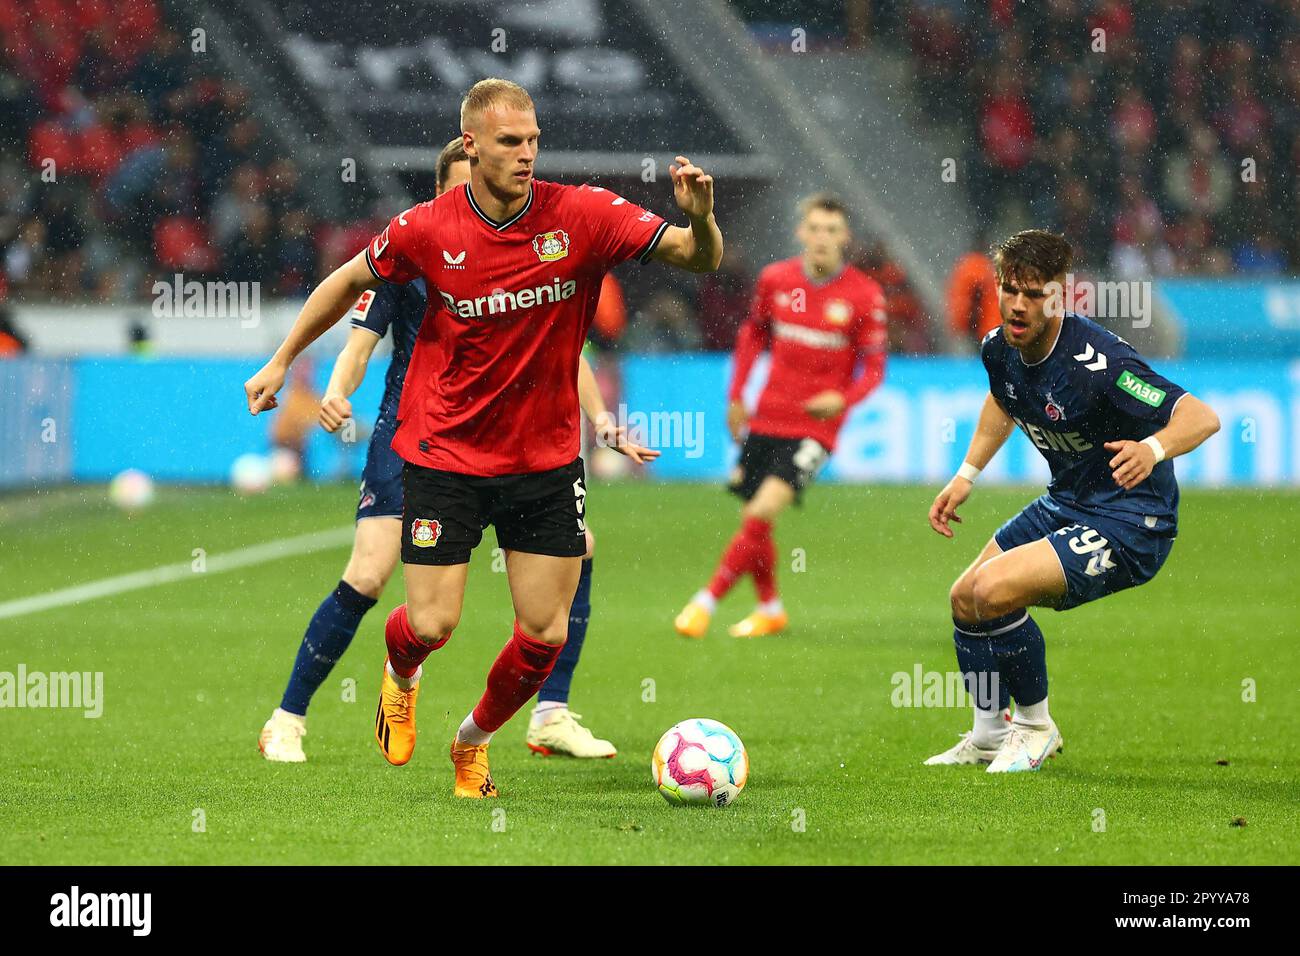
point(138, 161)
point(1162, 135)
point(1173, 150)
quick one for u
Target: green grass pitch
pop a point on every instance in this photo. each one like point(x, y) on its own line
point(1147, 688)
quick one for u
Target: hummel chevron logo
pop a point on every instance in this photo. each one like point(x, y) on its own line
point(1099, 563)
point(1086, 357)
point(453, 260)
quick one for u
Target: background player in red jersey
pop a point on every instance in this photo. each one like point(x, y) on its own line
point(489, 411)
point(821, 319)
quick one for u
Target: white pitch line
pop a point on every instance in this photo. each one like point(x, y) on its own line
point(229, 561)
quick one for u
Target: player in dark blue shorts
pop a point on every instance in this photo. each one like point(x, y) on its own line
point(399, 310)
point(1108, 426)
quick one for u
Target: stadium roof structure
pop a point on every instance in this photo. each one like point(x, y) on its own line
point(608, 92)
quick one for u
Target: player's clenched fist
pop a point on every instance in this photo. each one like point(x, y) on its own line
point(692, 188)
point(1133, 463)
point(334, 411)
point(261, 388)
point(946, 504)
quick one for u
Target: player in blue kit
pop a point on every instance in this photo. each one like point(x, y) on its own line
point(1108, 426)
point(399, 310)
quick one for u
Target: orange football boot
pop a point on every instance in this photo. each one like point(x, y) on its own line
point(760, 624)
point(693, 621)
point(473, 778)
point(395, 720)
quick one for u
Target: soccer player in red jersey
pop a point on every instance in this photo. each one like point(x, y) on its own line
point(821, 319)
point(488, 421)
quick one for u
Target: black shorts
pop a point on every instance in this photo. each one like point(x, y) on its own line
point(795, 461)
point(444, 513)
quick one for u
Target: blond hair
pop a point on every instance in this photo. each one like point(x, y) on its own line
point(452, 153)
point(489, 93)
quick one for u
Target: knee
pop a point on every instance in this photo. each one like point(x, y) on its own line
point(368, 581)
point(554, 631)
point(992, 594)
point(962, 598)
point(368, 574)
point(432, 625)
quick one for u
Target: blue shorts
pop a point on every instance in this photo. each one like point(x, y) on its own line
point(1099, 555)
point(381, 479)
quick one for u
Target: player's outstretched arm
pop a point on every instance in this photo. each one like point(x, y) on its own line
point(349, 372)
point(991, 433)
point(699, 247)
point(608, 431)
point(327, 303)
point(1191, 423)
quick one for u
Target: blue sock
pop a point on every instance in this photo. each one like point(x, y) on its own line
point(556, 687)
point(1010, 647)
point(328, 635)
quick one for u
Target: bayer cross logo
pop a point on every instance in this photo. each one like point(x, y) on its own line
point(425, 532)
point(552, 245)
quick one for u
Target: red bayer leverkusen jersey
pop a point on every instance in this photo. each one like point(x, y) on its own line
point(492, 387)
point(818, 333)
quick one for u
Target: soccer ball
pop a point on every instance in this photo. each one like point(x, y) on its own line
point(131, 490)
point(700, 762)
point(251, 474)
point(286, 466)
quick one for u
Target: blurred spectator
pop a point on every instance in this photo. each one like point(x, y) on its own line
point(296, 267)
point(1198, 179)
point(973, 296)
point(909, 331)
point(238, 205)
point(663, 324)
point(12, 342)
point(1006, 142)
point(611, 313)
point(1261, 255)
point(1140, 251)
point(139, 341)
point(723, 298)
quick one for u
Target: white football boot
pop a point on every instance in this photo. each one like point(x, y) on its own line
point(963, 752)
point(1026, 748)
point(281, 738)
point(561, 735)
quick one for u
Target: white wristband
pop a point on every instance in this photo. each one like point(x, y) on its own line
point(1156, 447)
point(968, 471)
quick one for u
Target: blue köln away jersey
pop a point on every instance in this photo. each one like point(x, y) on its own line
point(1092, 388)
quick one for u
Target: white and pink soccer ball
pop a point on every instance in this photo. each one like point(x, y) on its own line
point(251, 474)
point(131, 490)
point(700, 762)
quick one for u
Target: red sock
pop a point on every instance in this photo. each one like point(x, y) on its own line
point(740, 555)
point(763, 563)
point(517, 674)
point(406, 652)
